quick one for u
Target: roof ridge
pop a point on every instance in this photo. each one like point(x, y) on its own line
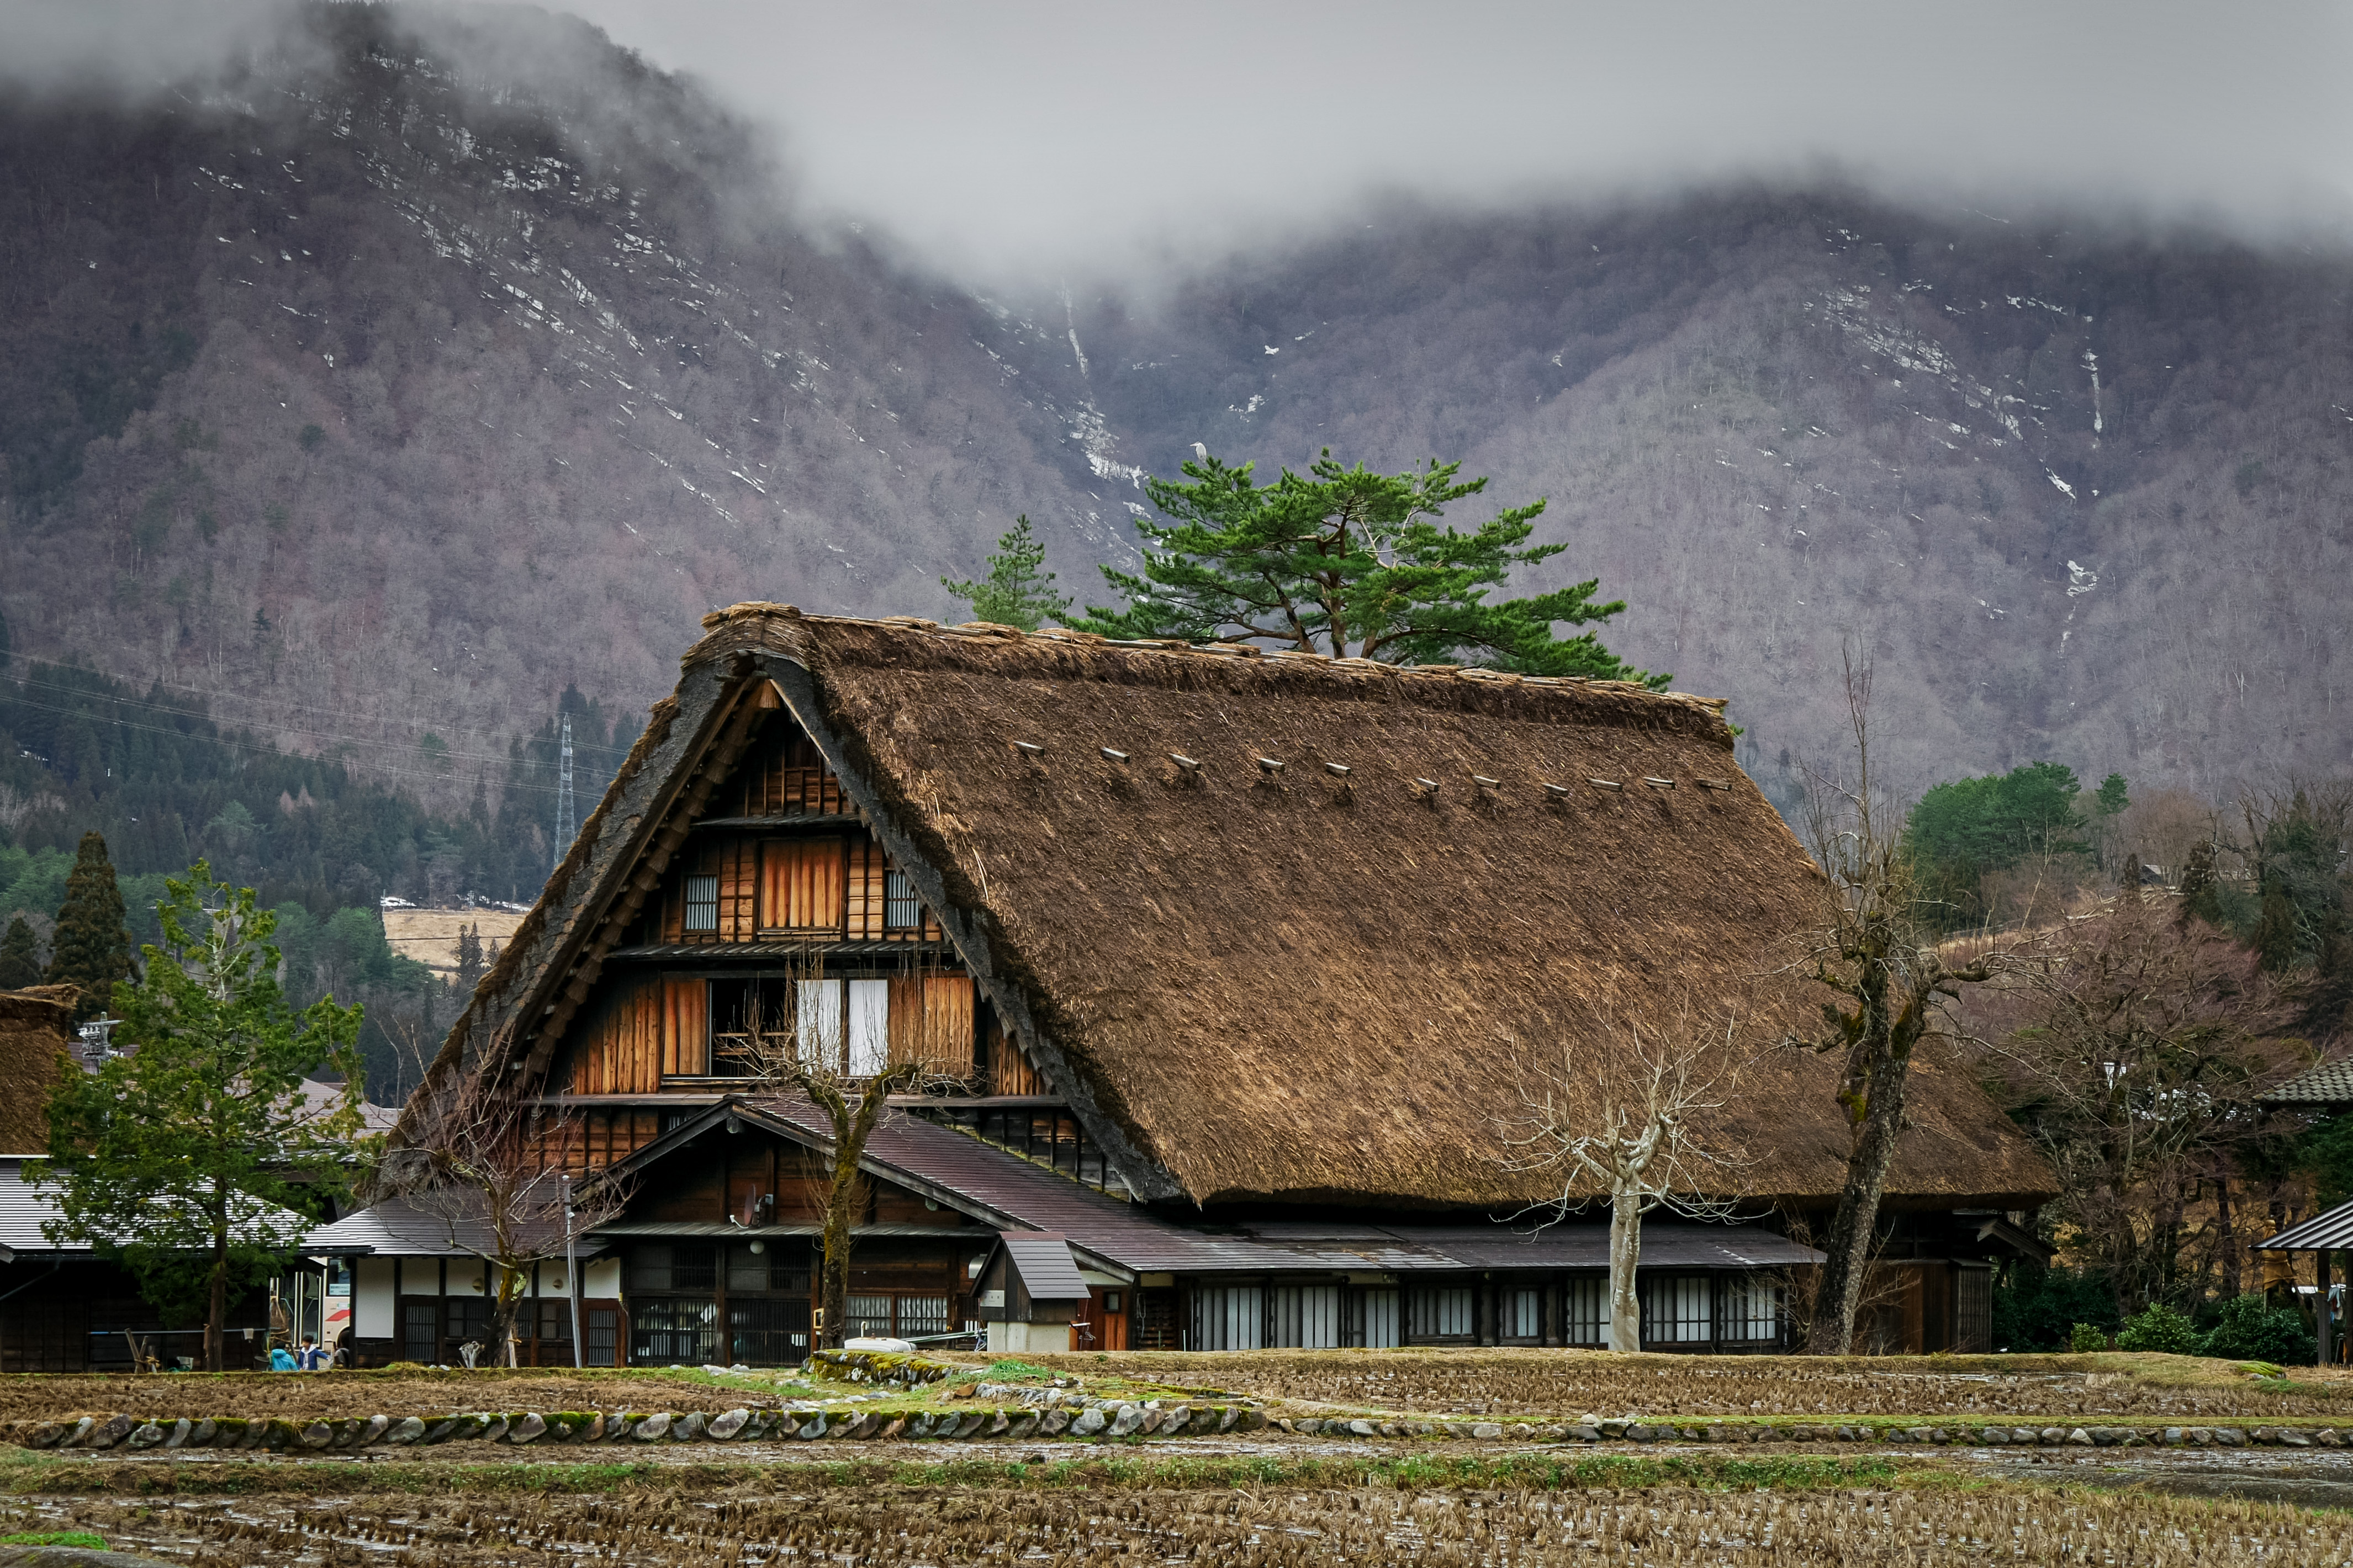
point(995, 631)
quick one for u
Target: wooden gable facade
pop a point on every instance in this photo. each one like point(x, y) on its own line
point(781, 911)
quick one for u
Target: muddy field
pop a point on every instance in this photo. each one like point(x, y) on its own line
point(886, 1526)
point(1570, 1383)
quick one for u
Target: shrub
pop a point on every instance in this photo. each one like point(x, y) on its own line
point(2250, 1328)
point(2085, 1338)
point(2033, 1307)
point(2158, 1328)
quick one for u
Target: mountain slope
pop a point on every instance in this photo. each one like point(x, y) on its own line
point(2082, 493)
point(445, 396)
point(439, 360)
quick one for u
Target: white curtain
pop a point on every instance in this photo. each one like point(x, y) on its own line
point(817, 1015)
point(869, 1027)
point(1585, 1298)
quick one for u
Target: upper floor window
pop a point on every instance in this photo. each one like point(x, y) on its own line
point(702, 903)
point(901, 910)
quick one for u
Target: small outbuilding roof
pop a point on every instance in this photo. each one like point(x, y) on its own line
point(2328, 1232)
point(2329, 1084)
point(1044, 1264)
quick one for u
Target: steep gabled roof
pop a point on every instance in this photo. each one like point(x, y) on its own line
point(1249, 982)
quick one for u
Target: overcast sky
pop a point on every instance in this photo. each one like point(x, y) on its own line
point(1029, 138)
point(1041, 134)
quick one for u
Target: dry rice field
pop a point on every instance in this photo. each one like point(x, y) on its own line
point(340, 1395)
point(904, 1528)
point(1570, 1383)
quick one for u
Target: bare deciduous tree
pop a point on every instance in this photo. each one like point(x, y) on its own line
point(1876, 951)
point(2133, 1050)
point(490, 1170)
point(1618, 1115)
point(833, 1058)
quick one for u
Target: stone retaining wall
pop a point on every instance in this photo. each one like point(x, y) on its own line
point(1102, 1418)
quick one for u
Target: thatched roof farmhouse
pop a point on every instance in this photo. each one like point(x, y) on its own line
point(1240, 943)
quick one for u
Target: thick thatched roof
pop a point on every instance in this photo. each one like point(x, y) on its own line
point(36, 1032)
point(1287, 984)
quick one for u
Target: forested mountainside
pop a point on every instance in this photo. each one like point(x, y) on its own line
point(368, 400)
point(2086, 495)
point(380, 392)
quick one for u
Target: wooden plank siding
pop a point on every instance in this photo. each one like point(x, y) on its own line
point(787, 776)
point(932, 1024)
point(804, 884)
point(1009, 1071)
point(642, 1029)
point(585, 1141)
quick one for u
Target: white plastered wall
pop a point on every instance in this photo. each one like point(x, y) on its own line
point(373, 1300)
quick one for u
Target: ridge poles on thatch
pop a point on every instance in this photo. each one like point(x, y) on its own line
point(1616, 1113)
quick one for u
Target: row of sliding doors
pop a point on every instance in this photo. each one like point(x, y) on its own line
point(1694, 1310)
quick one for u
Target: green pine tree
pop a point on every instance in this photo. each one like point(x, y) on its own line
point(1016, 592)
point(2202, 889)
point(1345, 561)
point(90, 947)
point(2278, 937)
point(195, 1158)
point(20, 957)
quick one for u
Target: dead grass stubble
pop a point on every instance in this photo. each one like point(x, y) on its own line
point(886, 1526)
point(1558, 1383)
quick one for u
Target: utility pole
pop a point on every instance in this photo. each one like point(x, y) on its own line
point(567, 824)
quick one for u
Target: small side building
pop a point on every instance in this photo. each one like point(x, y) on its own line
point(1031, 1294)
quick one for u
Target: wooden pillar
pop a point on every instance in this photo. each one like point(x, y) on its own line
point(2323, 1265)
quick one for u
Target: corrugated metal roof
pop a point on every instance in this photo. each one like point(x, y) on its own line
point(1043, 1261)
point(1666, 1243)
point(698, 1229)
point(1010, 1192)
point(394, 1228)
point(2330, 1083)
point(2329, 1232)
point(24, 1205)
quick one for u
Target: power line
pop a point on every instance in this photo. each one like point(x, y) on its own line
point(334, 735)
point(256, 746)
point(211, 695)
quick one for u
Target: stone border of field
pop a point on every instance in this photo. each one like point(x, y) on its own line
point(1100, 1420)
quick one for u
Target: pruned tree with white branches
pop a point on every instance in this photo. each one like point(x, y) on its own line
point(1621, 1115)
point(489, 1170)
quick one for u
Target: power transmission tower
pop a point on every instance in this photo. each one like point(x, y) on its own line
point(567, 824)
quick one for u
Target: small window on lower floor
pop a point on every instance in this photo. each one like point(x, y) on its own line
point(702, 903)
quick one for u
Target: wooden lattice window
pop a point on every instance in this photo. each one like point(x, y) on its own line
point(702, 903)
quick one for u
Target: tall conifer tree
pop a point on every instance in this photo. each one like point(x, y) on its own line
point(92, 946)
point(20, 957)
